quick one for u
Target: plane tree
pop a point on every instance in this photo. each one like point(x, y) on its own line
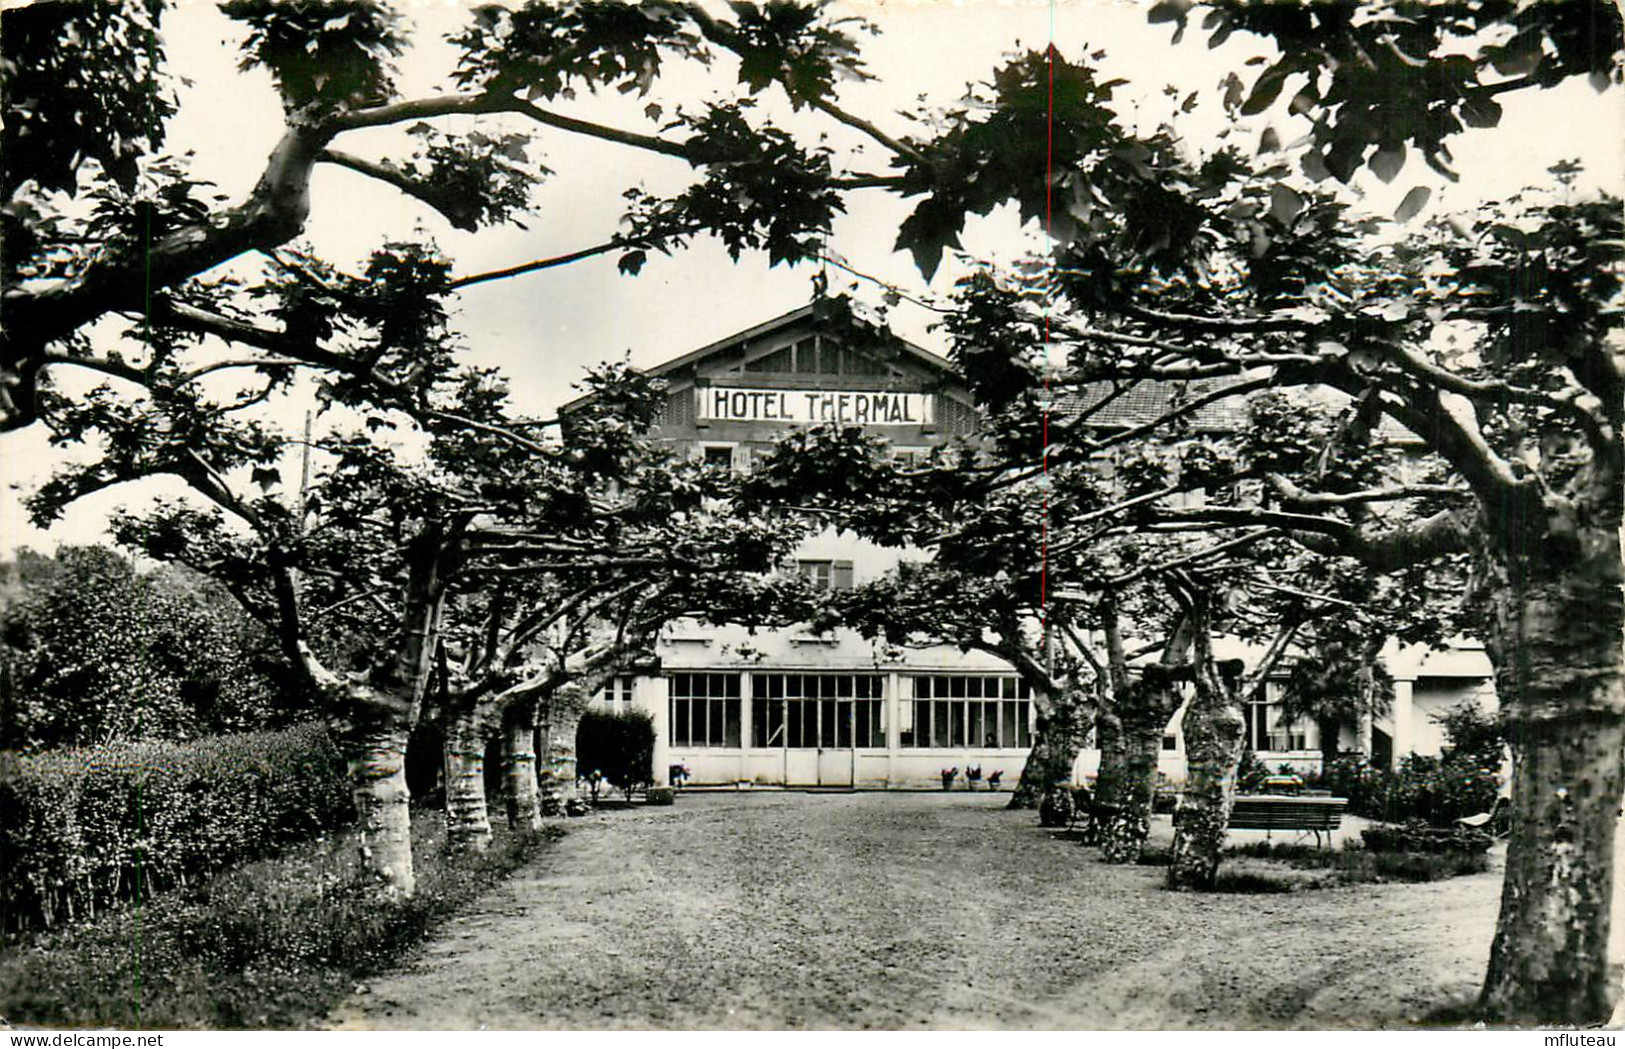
point(1490, 340)
point(409, 511)
point(102, 224)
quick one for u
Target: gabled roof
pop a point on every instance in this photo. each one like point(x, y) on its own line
point(838, 309)
point(831, 307)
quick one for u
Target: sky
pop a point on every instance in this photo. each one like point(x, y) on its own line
point(546, 329)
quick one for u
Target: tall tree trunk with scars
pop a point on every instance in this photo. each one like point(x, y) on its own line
point(519, 765)
point(563, 708)
point(373, 721)
point(468, 821)
point(1142, 709)
point(1063, 723)
point(372, 737)
point(1215, 735)
point(1556, 616)
point(1109, 741)
point(1144, 720)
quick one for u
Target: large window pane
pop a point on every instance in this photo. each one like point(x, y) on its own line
point(705, 710)
point(679, 722)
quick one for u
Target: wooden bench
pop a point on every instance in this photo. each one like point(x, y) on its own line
point(1273, 812)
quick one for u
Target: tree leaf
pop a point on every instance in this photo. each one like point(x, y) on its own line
point(1385, 163)
point(1285, 203)
point(1413, 204)
point(1168, 11)
point(1480, 112)
point(1265, 91)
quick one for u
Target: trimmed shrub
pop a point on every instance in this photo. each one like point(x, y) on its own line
point(1418, 836)
point(619, 747)
point(1435, 790)
point(84, 830)
point(271, 944)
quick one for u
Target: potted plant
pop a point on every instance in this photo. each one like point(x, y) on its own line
point(973, 776)
point(948, 776)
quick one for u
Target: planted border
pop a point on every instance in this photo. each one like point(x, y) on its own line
point(85, 830)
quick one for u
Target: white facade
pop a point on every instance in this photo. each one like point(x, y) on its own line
point(735, 707)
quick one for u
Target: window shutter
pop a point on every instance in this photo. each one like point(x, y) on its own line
point(842, 577)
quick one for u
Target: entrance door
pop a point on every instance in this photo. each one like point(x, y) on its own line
point(836, 757)
point(801, 768)
point(811, 716)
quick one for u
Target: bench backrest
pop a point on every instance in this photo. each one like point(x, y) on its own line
point(1275, 812)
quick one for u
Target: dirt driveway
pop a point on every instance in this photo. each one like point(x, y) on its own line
point(891, 911)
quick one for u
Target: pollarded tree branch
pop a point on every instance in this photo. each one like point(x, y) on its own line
point(391, 175)
point(415, 109)
point(1495, 392)
point(851, 120)
point(1196, 556)
point(117, 369)
point(540, 264)
point(1248, 515)
point(1225, 325)
point(1295, 497)
point(204, 322)
point(1446, 532)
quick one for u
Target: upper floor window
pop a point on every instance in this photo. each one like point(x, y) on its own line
point(826, 575)
point(720, 456)
point(616, 695)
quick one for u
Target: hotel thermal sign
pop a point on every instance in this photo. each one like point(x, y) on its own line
point(854, 407)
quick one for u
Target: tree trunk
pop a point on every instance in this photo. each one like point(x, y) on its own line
point(519, 766)
point(1109, 776)
point(1128, 824)
point(1214, 732)
point(468, 820)
point(1556, 645)
point(1060, 735)
point(558, 778)
point(374, 749)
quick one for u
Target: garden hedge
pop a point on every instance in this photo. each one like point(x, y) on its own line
point(85, 829)
point(620, 747)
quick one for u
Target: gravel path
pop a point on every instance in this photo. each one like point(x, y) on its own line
point(782, 910)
